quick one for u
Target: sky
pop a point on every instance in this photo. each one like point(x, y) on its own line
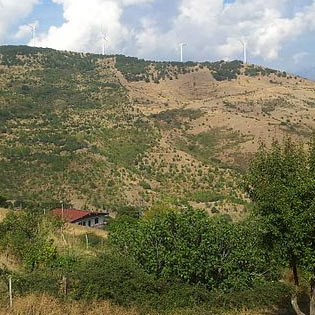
point(279, 33)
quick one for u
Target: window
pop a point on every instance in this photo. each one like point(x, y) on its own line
point(84, 223)
point(89, 223)
point(96, 220)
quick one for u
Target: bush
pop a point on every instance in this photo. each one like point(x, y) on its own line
point(205, 196)
point(145, 185)
point(111, 276)
point(41, 281)
point(128, 211)
point(3, 202)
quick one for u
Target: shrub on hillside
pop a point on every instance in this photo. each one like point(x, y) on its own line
point(112, 277)
point(3, 202)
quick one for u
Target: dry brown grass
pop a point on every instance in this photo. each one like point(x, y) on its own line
point(77, 230)
point(248, 312)
point(44, 305)
point(242, 312)
point(3, 213)
point(72, 238)
point(9, 262)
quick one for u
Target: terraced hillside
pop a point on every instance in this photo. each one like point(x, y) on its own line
point(110, 131)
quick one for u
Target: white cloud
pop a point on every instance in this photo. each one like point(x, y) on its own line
point(82, 27)
point(81, 30)
point(211, 28)
point(147, 40)
point(199, 11)
point(25, 30)
point(136, 2)
point(13, 10)
point(298, 57)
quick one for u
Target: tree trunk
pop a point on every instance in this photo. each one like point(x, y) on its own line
point(312, 303)
point(294, 302)
point(295, 273)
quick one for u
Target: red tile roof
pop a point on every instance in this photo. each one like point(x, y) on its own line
point(72, 215)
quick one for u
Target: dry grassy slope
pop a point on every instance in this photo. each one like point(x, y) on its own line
point(289, 104)
point(174, 138)
point(236, 114)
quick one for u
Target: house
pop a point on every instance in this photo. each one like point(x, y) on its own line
point(81, 217)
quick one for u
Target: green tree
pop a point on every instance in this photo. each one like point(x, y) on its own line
point(196, 248)
point(25, 235)
point(281, 182)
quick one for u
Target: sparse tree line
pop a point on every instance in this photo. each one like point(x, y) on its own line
point(135, 69)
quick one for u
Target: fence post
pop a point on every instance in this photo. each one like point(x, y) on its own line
point(10, 291)
point(64, 285)
point(87, 241)
point(63, 238)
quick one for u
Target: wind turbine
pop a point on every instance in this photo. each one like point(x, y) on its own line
point(181, 51)
point(33, 30)
point(244, 44)
point(104, 40)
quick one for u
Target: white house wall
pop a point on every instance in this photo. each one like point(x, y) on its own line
point(85, 222)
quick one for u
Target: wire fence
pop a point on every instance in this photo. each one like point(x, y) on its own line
point(13, 286)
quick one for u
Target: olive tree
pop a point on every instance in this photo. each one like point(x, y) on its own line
point(281, 183)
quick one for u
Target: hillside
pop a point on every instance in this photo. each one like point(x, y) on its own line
point(109, 131)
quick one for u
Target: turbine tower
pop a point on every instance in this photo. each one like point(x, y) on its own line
point(181, 51)
point(104, 40)
point(244, 44)
point(33, 30)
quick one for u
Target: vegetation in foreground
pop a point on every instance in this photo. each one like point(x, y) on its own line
point(182, 261)
point(281, 182)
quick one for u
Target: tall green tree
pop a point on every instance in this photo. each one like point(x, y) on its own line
point(281, 182)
